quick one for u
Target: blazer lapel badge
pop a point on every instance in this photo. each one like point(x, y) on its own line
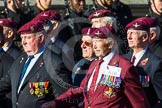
point(21, 59)
point(41, 64)
point(144, 61)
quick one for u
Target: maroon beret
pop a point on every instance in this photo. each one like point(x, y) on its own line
point(103, 32)
point(31, 27)
point(138, 24)
point(8, 23)
point(42, 19)
point(88, 31)
point(100, 13)
point(152, 22)
point(50, 15)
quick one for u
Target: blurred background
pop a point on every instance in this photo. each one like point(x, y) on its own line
point(138, 7)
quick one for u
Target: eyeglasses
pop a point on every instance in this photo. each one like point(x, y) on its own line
point(89, 44)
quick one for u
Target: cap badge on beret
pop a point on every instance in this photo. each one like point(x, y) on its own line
point(96, 14)
point(32, 28)
point(88, 33)
point(136, 25)
point(98, 33)
point(44, 14)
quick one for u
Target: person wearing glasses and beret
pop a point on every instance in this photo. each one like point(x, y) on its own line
point(110, 82)
point(80, 68)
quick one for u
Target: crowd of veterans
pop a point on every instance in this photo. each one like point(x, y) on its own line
point(95, 57)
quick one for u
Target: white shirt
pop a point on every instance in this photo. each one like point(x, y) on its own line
point(31, 64)
point(6, 48)
point(139, 56)
point(103, 64)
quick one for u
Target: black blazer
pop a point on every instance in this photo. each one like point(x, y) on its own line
point(48, 68)
point(153, 68)
point(5, 63)
point(14, 51)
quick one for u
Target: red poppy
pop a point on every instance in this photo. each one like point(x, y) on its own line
point(144, 62)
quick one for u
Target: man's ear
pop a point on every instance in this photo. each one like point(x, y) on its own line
point(55, 25)
point(152, 36)
point(41, 38)
point(145, 37)
point(10, 34)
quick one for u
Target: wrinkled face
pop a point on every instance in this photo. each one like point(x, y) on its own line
point(30, 43)
point(100, 47)
point(97, 22)
point(156, 4)
point(44, 3)
point(134, 38)
point(77, 5)
point(87, 49)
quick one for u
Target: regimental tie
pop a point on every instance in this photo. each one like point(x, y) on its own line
point(24, 69)
point(133, 59)
point(94, 79)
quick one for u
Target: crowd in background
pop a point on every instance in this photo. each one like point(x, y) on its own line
point(101, 56)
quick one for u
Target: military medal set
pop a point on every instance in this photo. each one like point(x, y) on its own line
point(38, 88)
point(111, 78)
point(144, 80)
point(111, 82)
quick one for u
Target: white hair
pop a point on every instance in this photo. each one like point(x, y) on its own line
point(41, 32)
point(111, 20)
point(157, 30)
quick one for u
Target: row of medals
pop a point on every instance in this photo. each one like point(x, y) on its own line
point(111, 82)
point(144, 80)
point(38, 88)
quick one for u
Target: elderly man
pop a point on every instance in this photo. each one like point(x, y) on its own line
point(52, 21)
point(109, 82)
point(79, 70)
point(156, 11)
point(5, 63)
point(30, 79)
point(9, 32)
point(100, 18)
point(149, 66)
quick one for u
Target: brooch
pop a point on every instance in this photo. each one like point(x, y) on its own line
point(116, 63)
point(21, 60)
point(41, 64)
point(144, 62)
point(109, 93)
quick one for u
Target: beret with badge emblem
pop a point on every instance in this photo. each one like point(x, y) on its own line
point(100, 13)
point(87, 31)
point(31, 27)
point(138, 24)
point(50, 15)
point(47, 18)
point(103, 32)
point(8, 23)
point(152, 22)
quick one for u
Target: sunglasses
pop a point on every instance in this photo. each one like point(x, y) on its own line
point(86, 43)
